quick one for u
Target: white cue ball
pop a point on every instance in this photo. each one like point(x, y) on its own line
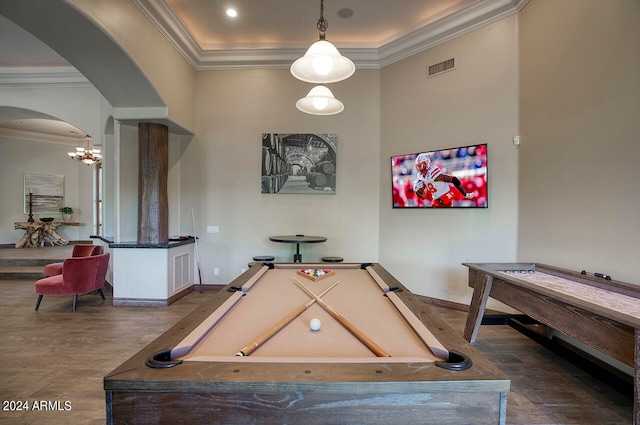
point(314, 324)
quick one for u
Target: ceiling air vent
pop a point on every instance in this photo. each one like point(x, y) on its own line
point(439, 68)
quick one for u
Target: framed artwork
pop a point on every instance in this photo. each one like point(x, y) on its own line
point(47, 193)
point(299, 163)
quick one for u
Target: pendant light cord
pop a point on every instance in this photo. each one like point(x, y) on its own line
point(322, 23)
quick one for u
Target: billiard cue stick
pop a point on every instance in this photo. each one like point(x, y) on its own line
point(195, 238)
point(344, 322)
point(277, 328)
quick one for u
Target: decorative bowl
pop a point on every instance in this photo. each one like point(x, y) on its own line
point(46, 219)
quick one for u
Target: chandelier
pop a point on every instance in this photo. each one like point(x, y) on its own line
point(87, 154)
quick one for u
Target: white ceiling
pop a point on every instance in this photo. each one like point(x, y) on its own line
point(292, 23)
point(273, 33)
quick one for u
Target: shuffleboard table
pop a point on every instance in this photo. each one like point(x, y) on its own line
point(250, 356)
point(590, 307)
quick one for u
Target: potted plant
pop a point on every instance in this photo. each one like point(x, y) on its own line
point(66, 213)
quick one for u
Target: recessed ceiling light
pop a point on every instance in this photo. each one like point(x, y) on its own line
point(345, 13)
point(232, 13)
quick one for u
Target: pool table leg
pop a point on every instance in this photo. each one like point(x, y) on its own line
point(503, 409)
point(481, 291)
point(636, 383)
point(108, 397)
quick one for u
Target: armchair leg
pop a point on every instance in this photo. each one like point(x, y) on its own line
point(101, 294)
point(75, 301)
point(39, 300)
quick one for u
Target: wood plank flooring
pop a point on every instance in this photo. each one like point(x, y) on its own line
point(55, 355)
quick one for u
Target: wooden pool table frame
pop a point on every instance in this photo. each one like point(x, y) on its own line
point(605, 329)
point(304, 393)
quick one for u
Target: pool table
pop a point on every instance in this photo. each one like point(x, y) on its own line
point(249, 356)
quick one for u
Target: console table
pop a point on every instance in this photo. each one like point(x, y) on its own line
point(39, 233)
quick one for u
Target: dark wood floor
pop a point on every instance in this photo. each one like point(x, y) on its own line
point(56, 355)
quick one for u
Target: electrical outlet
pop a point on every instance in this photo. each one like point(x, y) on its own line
point(216, 272)
point(243, 270)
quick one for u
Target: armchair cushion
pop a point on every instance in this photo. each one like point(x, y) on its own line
point(79, 250)
point(52, 285)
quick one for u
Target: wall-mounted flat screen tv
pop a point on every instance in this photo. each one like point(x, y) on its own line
point(446, 178)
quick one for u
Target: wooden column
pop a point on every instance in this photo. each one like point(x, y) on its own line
point(153, 169)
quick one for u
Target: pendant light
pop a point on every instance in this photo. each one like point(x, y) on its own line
point(320, 101)
point(322, 63)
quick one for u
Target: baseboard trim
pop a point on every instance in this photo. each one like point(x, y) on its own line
point(443, 303)
point(157, 302)
point(210, 287)
point(139, 302)
point(152, 302)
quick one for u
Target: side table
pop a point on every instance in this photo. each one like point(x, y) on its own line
point(39, 233)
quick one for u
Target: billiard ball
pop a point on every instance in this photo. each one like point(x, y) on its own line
point(314, 324)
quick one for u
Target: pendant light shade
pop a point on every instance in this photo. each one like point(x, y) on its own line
point(322, 64)
point(320, 101)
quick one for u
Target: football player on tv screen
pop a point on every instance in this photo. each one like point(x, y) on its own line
point(433, 185)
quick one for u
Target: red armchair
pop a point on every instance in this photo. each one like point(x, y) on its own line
point(79, 250)
point(80, 275)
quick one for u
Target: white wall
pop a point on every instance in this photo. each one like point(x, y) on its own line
point(171, 75)
point(80, 105)
point(475, 103)
point(580, 152)
point(220, 170)
point(126, 227)
point(22, 156)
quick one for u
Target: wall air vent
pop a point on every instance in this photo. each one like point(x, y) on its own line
point(182, 265)
point(439, 68)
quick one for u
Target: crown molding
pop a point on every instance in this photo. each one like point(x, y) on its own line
point(478, 14)
point(171, 26)
point(34, 136)
point(60, 76)
point(275, 58)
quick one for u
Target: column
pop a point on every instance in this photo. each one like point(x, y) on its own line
point(153, 204)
